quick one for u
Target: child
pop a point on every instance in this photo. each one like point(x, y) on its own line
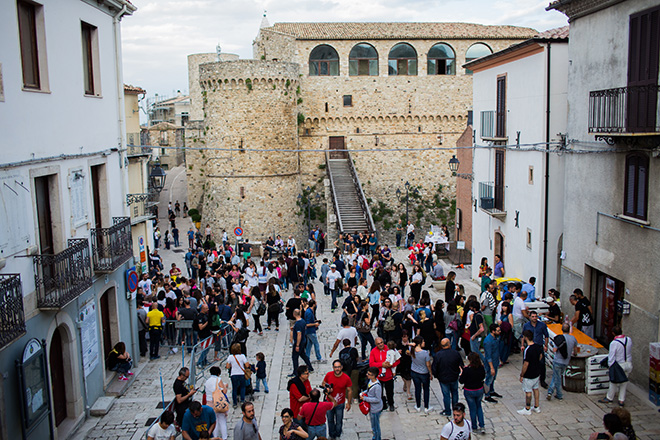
point(261, 372)
point(392, 356)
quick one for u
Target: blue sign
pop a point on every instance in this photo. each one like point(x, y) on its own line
point(238, 231)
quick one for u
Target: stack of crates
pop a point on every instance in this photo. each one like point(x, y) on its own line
point(598, 378)
point(654, 373)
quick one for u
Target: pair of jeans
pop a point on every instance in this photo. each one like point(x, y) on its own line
point(490, 378)
point(300, 354)
point(123, 367)
point(558, 371)
point(237, 386)
point(364, 338)
point(154, 341)
point(473, 398)
point(398, 240)
point(422, 382)
point(453, 339)
point(263, 381)
point(505, 347)
point(333, 292)
point(336, 420)
point(313, 340)
point(449, 395)
point(316, 431)
point(375, 424)
point(475, 344)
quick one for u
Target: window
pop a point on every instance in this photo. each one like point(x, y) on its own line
point(363, 60)
point(402, 60)
point(91, 68)
point(528, 240)
point(441, 60)
point(499, 180)
point(500, 114)
point(636, 186)
point(323, 61)
point(33, 45)
point(348, 100)
point(475, 51)
point(530, 175)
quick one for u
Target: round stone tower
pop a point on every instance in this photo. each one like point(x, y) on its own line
point(252, 170)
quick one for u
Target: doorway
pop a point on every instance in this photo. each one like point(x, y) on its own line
point(105, 323)
point(607, 291)
point(498, 247)
point(56, 358)
point(336, 145)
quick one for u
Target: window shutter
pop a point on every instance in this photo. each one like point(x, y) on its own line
point(630, 187)
point(501, 107)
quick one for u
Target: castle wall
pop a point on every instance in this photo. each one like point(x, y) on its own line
point(251, 108)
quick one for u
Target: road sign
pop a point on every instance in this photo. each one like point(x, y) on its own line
point(132, 279)
point(238, 231)
point(143, 254)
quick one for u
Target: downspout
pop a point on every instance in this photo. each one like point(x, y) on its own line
point(547, 173)
point(120, 102)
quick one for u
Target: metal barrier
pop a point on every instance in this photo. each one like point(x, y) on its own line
point(170, 407)
point(197, 368)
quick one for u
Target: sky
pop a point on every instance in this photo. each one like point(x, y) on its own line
point(159, 36)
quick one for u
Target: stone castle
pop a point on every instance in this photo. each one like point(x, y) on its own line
point(393, 94)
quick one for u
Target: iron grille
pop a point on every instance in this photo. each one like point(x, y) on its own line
point(112, 246)
point(12, 316)
point(62, 277)
point(491, 197)
point(624, 110)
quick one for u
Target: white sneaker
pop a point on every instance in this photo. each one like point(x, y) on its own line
point(428, 410)
point(525, 412)
point(418, 408)
point(536, 409)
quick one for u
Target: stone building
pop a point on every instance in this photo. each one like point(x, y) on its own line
point(389, 93)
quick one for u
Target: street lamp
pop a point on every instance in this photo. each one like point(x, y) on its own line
point(453, 167)
point(407, 198)
point(157, 177)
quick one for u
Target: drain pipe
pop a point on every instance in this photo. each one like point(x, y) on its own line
point(120, 102)
point(547, 174)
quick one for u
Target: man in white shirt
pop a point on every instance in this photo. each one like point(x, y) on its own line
point(621, 353)
point(145, 283)
point(331, 279)
point(520, 314)
point(164, 429)
point(291, 244)
point(346, 332)
point(410, 234)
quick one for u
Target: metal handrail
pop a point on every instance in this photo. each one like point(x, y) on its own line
point(12, 315)
point(112, 246)
point(618, 110)
point(362, 199)
point(332, 191)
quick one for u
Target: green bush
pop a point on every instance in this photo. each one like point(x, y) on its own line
point(196, 218)
point(192, 212)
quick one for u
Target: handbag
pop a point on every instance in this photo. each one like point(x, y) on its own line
point(303, 423)
point(220, 399)
point(362, 327)
point(261, 310)
point(364, 407)
point(246, 373)
point(617, 375)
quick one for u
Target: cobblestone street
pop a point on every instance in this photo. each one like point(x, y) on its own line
point(575, 418)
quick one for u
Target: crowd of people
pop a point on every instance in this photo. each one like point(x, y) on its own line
point(390, 328)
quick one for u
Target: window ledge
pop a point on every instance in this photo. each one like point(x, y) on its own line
point(93, 96)
point(28, 89)
point(495, 139)
point(633, 219)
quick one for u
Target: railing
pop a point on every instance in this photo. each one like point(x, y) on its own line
point(12, 316)
point(332, 191)
point(493, 125)
point(112, 246)
point(139, 207)
point(491, 197)
point(624, 110)
point(362, 199)
point(61, 278)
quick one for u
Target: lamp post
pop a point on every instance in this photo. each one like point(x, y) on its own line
point(407, 198)
point(157, 177)
point(454, 163)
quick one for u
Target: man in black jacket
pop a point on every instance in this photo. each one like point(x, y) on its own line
point(446, 368)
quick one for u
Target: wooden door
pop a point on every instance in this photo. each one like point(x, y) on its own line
point(499, 180)
point(44, 219)
point(643, 58)
point(500, 117)
point(499, 245)
point(56, 357)
point(337, 143)
point(96, 195)
point(105, 324)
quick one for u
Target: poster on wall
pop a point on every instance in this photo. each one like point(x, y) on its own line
point(89, 337)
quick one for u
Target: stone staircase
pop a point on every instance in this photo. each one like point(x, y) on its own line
point(351, 216)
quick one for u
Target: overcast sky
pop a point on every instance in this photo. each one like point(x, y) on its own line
point(161, 33)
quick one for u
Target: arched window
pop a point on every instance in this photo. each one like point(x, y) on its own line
point(363, 60)
point(402, 60)
point(477, 50)
point(441, 60)
point(636, 186)
point(323, 61)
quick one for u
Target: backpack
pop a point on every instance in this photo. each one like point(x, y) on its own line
point(562, 347)
point(347, 360)
point(220, 399)
point(388, 324)
point(365, 264)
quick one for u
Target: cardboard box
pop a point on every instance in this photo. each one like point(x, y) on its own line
point(654, 398)
point(654, 350)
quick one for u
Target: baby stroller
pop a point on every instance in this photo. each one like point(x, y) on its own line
point(249, 390)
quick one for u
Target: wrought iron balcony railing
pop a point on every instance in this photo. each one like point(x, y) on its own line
point(112, 246)
point(61, 278)
point(491, 198)
point(624, 111)
point(12, 316)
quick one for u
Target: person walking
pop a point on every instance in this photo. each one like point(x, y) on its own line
point(565, 347)
point(363, 327)
point(620, 353)
point(312, 327)
point(237, 364)
point(421, 373)
point(541, 337)
point(446, 367)
point(530, 373)
point(378, 359)
point(492, 357)
point(458, 428)
point(374, 397)
point(472, 379)
point(298, 336)
point(331, 280)
point(247, 428)
point(337, 385)
point(143, 327)
point(299, 388)
point(212, 384)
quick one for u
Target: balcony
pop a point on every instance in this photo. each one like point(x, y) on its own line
point(61, 278)
point(624, 111)
point(12, 317)
point(140, 206)
point(112, 246)
point(493, 126)
point(491, 199)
